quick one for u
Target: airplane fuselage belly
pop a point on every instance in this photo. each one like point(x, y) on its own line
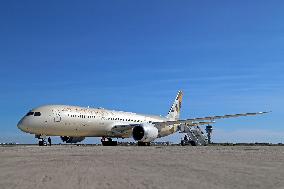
point(66, 128)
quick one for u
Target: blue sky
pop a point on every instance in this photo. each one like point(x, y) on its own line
point(227, 57)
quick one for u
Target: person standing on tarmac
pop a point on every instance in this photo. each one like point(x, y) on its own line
point(49, 141)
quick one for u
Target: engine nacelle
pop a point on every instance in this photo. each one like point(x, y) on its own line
point(145, 133)
point(68, 139)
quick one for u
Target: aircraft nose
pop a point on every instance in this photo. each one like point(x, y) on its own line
point(20, 124)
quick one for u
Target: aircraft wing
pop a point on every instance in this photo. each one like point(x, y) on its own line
point(205, 120)
point(125, 130)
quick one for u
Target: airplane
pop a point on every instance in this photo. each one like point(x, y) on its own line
point(74, 123)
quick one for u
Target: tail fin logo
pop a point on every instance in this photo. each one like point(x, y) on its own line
point(175, 108)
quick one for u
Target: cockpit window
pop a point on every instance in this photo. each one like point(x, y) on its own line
point(37, 114)
point(30, 113)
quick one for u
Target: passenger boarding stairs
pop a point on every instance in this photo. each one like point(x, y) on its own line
point(195, 136)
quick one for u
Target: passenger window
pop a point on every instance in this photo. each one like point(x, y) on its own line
point(37, 114)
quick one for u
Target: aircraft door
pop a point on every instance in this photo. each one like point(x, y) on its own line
point(57, 116)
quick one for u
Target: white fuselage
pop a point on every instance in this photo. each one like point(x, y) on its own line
point(62, 120)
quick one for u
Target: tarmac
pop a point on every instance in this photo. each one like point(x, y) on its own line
point(120, 167)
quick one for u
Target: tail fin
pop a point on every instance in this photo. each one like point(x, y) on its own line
point(175, 109)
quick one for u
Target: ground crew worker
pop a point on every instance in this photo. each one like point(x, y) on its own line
point(49, 141)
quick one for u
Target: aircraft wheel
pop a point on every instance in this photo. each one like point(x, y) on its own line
point(144, 143)
point(192, 143)
point(41, 143)
point(109, 143)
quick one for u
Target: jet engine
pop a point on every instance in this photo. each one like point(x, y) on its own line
point(68, 139)
point(145, 133)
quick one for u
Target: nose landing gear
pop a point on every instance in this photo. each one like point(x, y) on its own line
point(41, 139)
point(108, 142)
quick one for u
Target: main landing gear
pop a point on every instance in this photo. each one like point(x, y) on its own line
point(108, 142)
point(143, 143)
